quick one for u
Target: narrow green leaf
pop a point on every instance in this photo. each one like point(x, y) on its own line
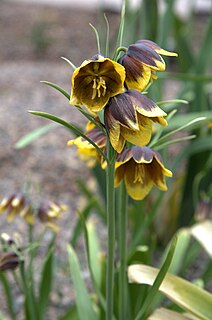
point(183, 119)
point(197, 146)
point(78, 227)
point(169, 104)
point(157, 281)
point(167, 143)
point(186, 76)
point(94, 253)
point(55, 86)
point(97, 38)
point(34, 135)
point(69, 62)
point(185, 294)
point(8, 294)
point(83, 301)
point(183, 240)
point(70, 126)
point(121, 26)
point(166, 136)
point(46, 280)
point(94, 261)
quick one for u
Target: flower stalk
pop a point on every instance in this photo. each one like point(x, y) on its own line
point(122, 239)
point(110, 171)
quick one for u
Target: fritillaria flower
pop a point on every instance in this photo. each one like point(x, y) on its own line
point(49, 212)
point(95, 82)
point(17, 204)
point(85, 150)
point(141, 168)
point(140, 61)
point(129, 116)
point(8, 261)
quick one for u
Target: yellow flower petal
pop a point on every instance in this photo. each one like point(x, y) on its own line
point(95, 82)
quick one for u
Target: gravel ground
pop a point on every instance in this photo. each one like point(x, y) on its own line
point(48, 164)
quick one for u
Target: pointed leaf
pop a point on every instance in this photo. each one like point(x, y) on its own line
point(46, 281)
point(83, 301)
point(185, 294)
point(68, 125)
point(158, 280)
point(34, 135)
point(55, 86)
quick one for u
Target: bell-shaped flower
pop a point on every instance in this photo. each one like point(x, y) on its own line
point(141, 168)
point(129, 117)
point(95, 82)
point(8, 261)
point(140, 61)
point(17, 204)
point(49, 212)
point(85, 150)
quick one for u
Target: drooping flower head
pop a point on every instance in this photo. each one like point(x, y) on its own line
point(129, 116)
point(140, 61)
point(85, 150)
point(49, 212)
point(141, 168)
point(17, 204)
point(8, 261)
point(95, 82)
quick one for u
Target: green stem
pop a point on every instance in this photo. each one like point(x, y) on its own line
point(110, 230)
point(122, 238)
point(30, 309)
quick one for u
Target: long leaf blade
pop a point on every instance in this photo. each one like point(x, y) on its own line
point(158, 280)
point(46, 281)
point(83, 301)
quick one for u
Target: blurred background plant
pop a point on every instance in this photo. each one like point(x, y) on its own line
point(187, 204)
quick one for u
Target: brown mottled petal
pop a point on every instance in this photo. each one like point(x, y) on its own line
point(5, 203)
point(8, 261)
point(142, 154)
point(156, 47)
point(137, 74)
point(97, 136)
point(160, 120)
point(122, 110)
point(145, 54)
point(139, 137)
point(113, 129)
point(144, 105)
point(165, 171)
point(119, 175)
point(157, 176)
point(124, 156)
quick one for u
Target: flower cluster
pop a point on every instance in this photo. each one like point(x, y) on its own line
point(114, 88)
point(19, 204)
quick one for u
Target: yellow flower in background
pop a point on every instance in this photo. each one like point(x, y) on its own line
point(129, 117)
point(85, 150)
point(140, 61)
point(49, 212)
point(141, 168)
point(95, 82)
point(17, 204)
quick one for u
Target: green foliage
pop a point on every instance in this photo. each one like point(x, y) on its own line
point(140, 242)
